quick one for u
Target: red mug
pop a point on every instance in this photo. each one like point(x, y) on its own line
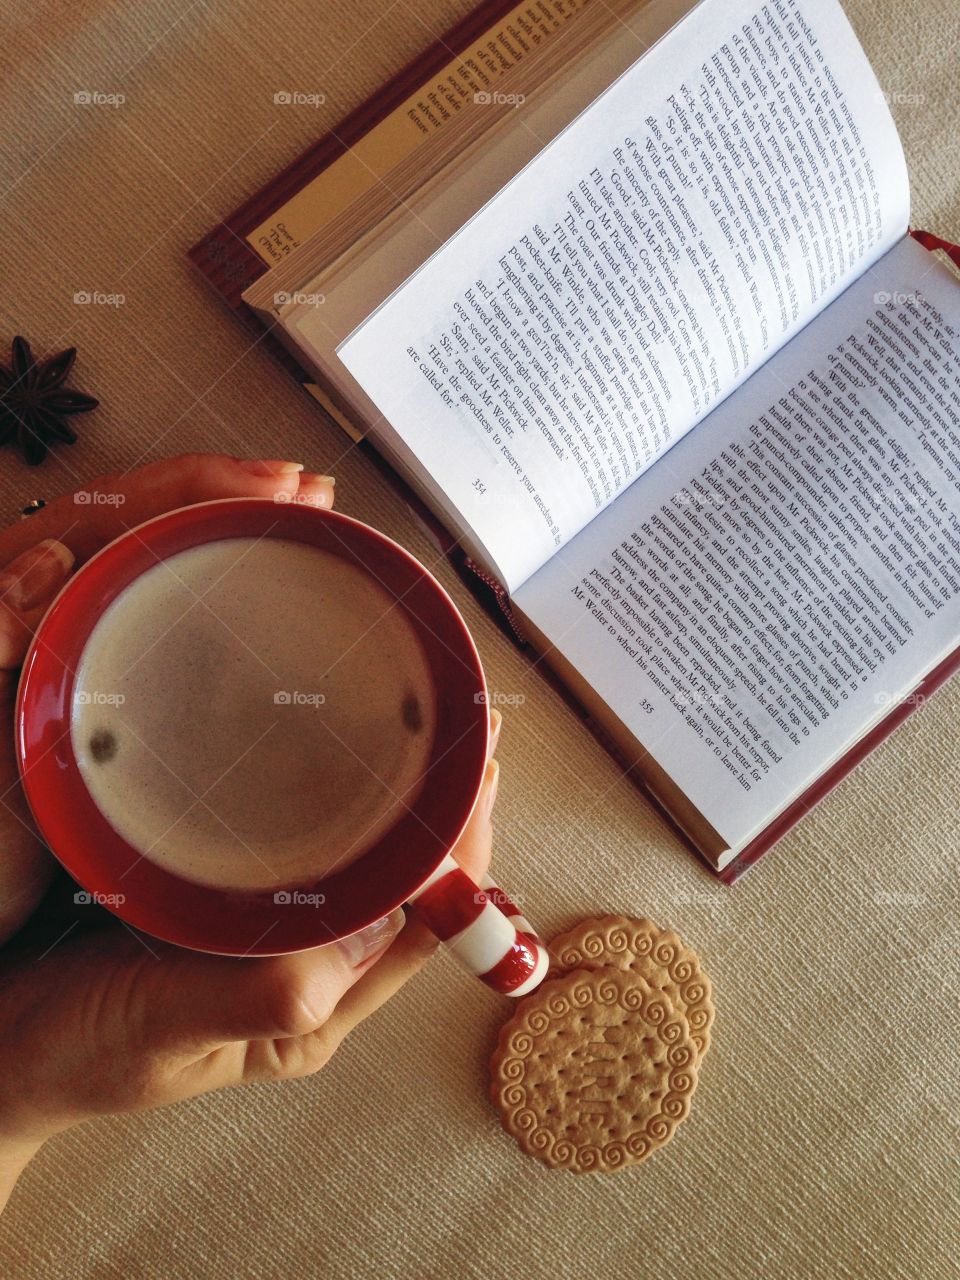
point(409, 864)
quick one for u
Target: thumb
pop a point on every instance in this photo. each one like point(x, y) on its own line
point(196, 1002)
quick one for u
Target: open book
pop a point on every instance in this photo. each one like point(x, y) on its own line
point(635, 310)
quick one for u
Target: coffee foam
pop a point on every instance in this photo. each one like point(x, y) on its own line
point(253, 713)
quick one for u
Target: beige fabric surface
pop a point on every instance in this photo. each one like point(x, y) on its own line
point(823, 1139)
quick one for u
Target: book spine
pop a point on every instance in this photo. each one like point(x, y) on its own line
point(500, 599)
point(470, 53)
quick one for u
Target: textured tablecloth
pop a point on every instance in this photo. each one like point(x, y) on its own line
point(824, 1135)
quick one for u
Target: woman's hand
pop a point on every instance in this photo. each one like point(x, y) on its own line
point(36, 556)
point(94, 1018)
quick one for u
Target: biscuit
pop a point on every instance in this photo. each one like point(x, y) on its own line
point(622, 943)
point(594, 1071)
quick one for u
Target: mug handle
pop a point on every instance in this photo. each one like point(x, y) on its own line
point(483, 928)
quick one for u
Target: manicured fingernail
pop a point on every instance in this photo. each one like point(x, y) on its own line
point(493, 776)
point(36, 575)
point(271, 467)
point(496, 723)
point(311, 477)
point(371, 940)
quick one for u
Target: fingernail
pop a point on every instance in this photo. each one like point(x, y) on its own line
point(36, 575)
point(368, 942)
point(311, 477)
point(270, 467)
point(496, 722)
point(493, 770)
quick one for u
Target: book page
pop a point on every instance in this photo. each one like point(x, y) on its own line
point(792, 568)
point(700, 212)
point(324, 308)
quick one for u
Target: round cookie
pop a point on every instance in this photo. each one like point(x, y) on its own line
point(593, 1072)
point(622, 943)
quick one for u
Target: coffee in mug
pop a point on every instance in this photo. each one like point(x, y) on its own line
point(252, 727)
point(253, 712)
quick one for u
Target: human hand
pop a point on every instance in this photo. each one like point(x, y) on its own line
point(104, 1020)
point(37, 555)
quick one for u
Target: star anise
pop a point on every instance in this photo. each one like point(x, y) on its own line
point(34, 403)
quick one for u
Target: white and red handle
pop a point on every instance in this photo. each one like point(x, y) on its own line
point(483, 928)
